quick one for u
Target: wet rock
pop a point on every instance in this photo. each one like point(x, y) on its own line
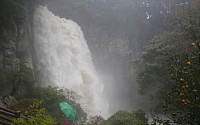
point(10, 100)
point(2, 103)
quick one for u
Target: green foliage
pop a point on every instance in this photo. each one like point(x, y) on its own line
point(51, 98)
point(23, 105)
point(15, 82)
point(36, 116)
point(164, 63)
point(127, 118)
point(181, 102)
point(153, 72)
point(154, 64)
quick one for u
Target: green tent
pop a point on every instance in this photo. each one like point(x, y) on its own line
point(68, 111)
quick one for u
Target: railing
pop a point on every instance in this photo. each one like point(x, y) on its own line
point(6, 116)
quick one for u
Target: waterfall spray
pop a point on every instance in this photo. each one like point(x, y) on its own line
point(64, 59)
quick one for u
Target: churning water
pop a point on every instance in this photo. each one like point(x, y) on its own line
point(64, 59)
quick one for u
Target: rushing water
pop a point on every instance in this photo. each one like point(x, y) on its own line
point(64, 59)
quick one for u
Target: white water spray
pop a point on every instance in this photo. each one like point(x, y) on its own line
point(64, 59)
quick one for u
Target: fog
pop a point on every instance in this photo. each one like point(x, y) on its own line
point(111, 31)
point(117, 32)
point(103, 56)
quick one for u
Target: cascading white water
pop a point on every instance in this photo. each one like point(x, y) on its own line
point(64, 59)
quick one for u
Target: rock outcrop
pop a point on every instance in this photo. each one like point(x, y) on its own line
point(17, 48)
point(16, 63)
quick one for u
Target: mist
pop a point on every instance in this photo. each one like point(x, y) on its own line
point(114, 35)
point(105, 57)
point(113, 44)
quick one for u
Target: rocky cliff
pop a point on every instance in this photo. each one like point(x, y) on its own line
point(15, 48)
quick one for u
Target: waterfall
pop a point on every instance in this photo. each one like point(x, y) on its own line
point(64, 59)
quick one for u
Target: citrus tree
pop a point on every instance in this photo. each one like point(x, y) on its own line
point(181, 103)
point(170, 67)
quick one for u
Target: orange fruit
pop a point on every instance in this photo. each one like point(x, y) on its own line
point(182, 87)
point(183, 100)
point(187, 100)
point(185, 103)
point(188, 63)
point(181, 80)
point(186, 86)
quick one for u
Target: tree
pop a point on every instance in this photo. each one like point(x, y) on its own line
point(127, 118)
point(154, 75)
point(181, 102)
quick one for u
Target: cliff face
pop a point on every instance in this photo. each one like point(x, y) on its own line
point(15, 35)
point(16, 59)
point(16, 50)
point(16, 65)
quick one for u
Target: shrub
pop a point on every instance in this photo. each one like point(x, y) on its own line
point(51, 98)
point(127, 118)
point(36, 116)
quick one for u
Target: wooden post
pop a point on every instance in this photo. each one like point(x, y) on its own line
point(17, 114)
